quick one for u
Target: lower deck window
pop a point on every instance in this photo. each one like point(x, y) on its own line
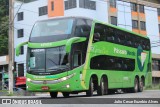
point(105, 62)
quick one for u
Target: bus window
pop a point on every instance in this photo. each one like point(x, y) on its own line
point(99, 30)
point(129, 40)
point(83, 28)
point(77, 59)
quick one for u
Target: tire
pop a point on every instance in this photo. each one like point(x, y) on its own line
point(89, 92)
point(111, 91)
point(141, 84)
point(53, 94)
point(136, 84)
point(65, 94)
point(102, 89)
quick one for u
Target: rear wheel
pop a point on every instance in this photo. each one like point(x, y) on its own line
point(53, 94)
point(89, 92)
point(141, 84)
point(135, 88)
point(102, 89)
point(66, 94)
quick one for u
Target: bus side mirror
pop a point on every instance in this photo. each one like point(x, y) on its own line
point(96, 37)
point(19, 47)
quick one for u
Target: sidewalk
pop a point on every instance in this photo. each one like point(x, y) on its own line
point(19, 92)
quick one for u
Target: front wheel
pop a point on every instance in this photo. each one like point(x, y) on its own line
point(89, 92)
point(66, 94)
point(53, 94)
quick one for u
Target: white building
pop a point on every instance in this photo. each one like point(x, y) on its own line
point(139, 16)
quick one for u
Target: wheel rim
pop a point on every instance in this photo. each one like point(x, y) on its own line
point(103, 87)
point(136, 85)
point(141, 85)
point(92, 86)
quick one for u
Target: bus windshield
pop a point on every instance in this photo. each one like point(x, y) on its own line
point(53, 60)
point(52, 27)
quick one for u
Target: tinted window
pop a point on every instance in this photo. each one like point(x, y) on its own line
point(135, 24)
point(112, 3)
point(105, 62)
point(43, 11)
point(141, 8)
point(117, 36)
point(83, 28)
point(20, 33)
point(143, 25)
point(114, 20)
point(69, 4)
point(133, 7)
point(87, 4)
point(20, 16)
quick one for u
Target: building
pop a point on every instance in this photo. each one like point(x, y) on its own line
point(141, 16)
point(156, 68)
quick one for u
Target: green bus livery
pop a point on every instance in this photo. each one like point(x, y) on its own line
point(76, 54)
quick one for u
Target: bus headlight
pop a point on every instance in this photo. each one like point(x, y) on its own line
point(28, 79)
point(66, 78)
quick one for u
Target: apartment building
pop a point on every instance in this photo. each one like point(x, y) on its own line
point(141, 16)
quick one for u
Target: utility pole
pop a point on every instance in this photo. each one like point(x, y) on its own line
point(11, 45)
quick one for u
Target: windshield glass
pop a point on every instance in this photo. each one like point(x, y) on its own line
point(48, 60)
point(52, 27)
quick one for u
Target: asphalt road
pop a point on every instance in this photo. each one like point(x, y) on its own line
point(145, 94)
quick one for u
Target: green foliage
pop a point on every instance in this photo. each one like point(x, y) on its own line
point(4, 27)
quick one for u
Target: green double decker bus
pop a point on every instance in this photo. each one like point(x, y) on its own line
point(77, 54)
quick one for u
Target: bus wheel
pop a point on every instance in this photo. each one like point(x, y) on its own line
point(91, 88)
point(135, 88)
point(141, 85)
point(53, 94)
point(66, 94)
point(102, 89)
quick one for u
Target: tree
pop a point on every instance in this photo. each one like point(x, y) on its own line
point(4, 24)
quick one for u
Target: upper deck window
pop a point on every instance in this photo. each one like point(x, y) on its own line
point(52, 27)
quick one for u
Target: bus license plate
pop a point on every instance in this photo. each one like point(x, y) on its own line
point(45, 88)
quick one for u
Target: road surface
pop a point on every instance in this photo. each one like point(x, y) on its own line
point(145, 94)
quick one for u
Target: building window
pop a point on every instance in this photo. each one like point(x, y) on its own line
point(141, 8)
point(22, 50)
point(43, 10)
point(158, 11)
point(114, 20)
point(134, 24)
point(134, 7)
point(20, 16)
point(20, 70)
point(20, 33)
point(143, 25)
point(69, 4)
point(112, 3)
point(52, 6)
point(87, 4)
point(155, 64)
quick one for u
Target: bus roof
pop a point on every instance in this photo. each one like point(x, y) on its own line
point(65, 17)
point(96, 21)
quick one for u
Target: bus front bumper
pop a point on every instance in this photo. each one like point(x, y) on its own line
point(66, 84)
